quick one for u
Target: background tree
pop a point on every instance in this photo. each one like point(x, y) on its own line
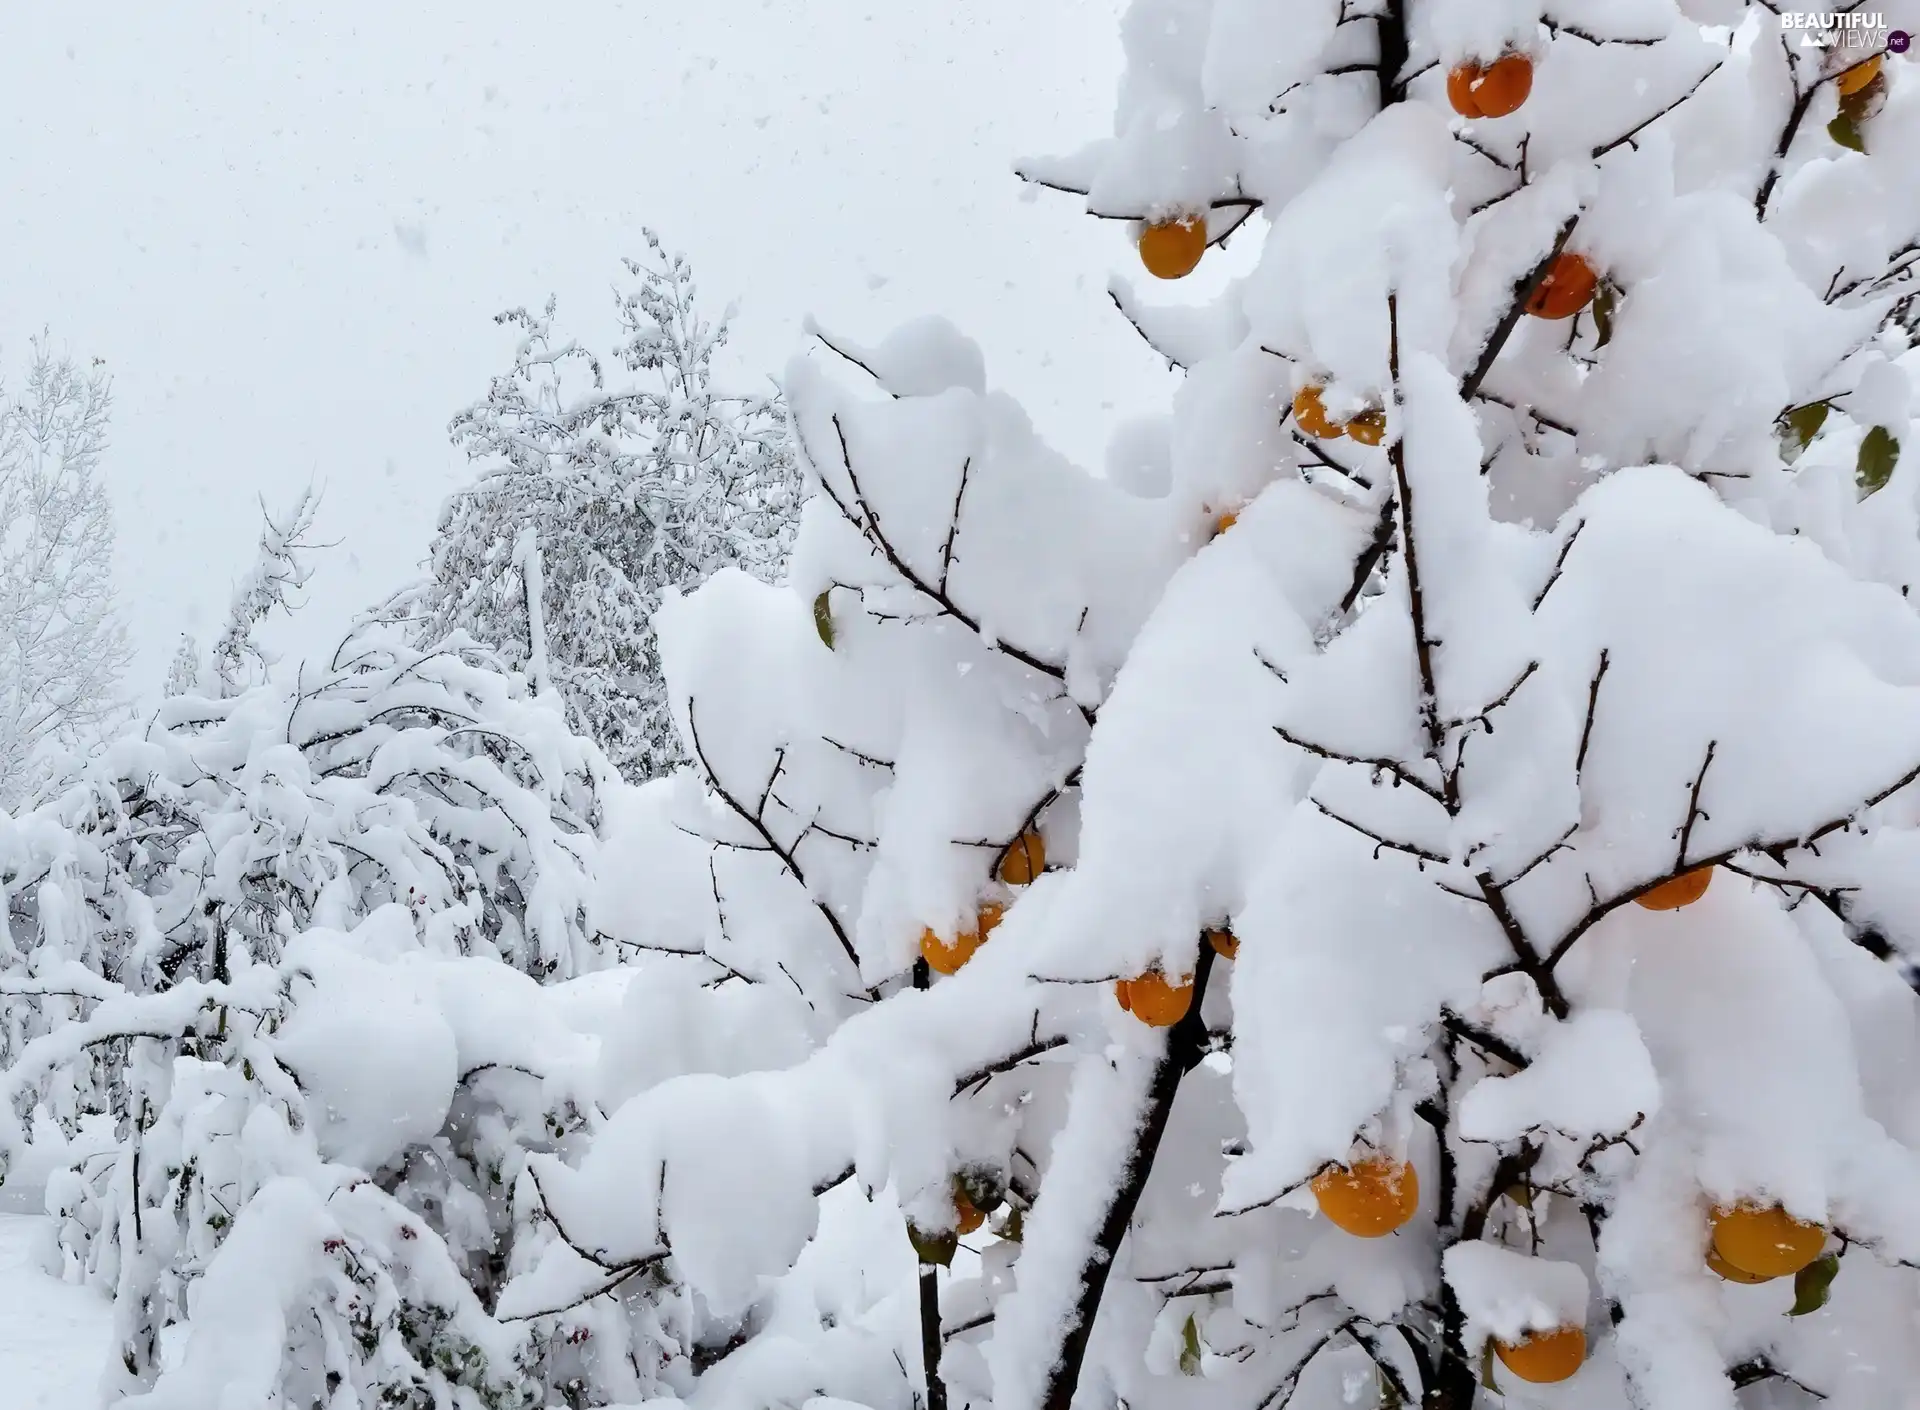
point(1464, 965)
point(62, 648)
point(609, 497)
point(281, 568)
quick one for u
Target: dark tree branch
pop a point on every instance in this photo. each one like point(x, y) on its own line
point(1522, 293)
point(1531, 965)
point(1410, 558)
point(1559, 565)
point(1693, 808)
point(1398, 772)
point(1640, 127)
point(1488, 1042)
point(785, 854)
point(931, 1341)
point(1593, 707)
point(980, 1076)
point(1384, 844)
point(1052, 796)
point(1797, 115)
point(1173, 363)
point(1370, 556)
point(953, 524)
point(1775, 848)
point(868, 523)
point(1186, 1037)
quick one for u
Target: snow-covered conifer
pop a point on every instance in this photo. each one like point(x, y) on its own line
point(1411, 906)
point(627, 488)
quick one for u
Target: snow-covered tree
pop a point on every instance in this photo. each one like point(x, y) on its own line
point(607, 497)
point(62, 648)
point(1419, 860)
point(281, 568)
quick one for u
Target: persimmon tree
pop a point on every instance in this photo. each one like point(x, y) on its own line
point(1411, 897)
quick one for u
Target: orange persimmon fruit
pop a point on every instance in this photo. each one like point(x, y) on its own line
point(1225, 943)
point(1490, 90)
point(1370, 1198)
point(1569, 287)
point(1025, 859)
point(947, 957)
point(1154, 1000)
point(1310, 415)
point(1369, 428)
point(1542, 1358)
point(1171, 249)
point(1682, 890)
point(1765, 1240)
point(1851, 81)
point(1731, 1274)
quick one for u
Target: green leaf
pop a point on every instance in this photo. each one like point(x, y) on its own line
point(1604, 301)
point(1879, 453)
point(1389, 1393)
point(1846, 131)
point(934, 1250)
point(1814, 1285)
point(1486, 1368)
point(1190, 1346)
point(823, 618)
point(1013, 1226)
point(981, 1186)
point(1799, 426)
point(1520, 1195)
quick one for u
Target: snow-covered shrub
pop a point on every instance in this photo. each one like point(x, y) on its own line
point(1482, 743)
point(597, 499)
point(288, 940)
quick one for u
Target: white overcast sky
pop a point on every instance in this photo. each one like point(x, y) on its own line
point(286, 229)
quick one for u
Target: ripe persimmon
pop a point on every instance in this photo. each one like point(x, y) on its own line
point(1731, 1274)
point(969, 1217)
point(1225, 943)
point(1310, 415)
point(1490, 90)
point(1569, 287)
point(1156, 1002)
point(1025, 859)
point(1224, 522)
point(1851, 81)
point(1682, 890)
point(1171, 249)
point(1123, 991)
point(1542, 1358)
point(1370, 1198)
point(947, 957)
point(1765, 1240)
point(1369, 428)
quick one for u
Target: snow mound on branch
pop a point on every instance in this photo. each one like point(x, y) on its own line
point(1675, 590)
point(1376, 224)
point(1505, 1295)
point(1755, 1047)
point(1591, 1077)
point(372, 1048)
point(921, 358)
point(1185, 788)
point(1347, 960)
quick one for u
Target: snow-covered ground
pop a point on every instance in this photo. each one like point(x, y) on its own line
point(53, 1336)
